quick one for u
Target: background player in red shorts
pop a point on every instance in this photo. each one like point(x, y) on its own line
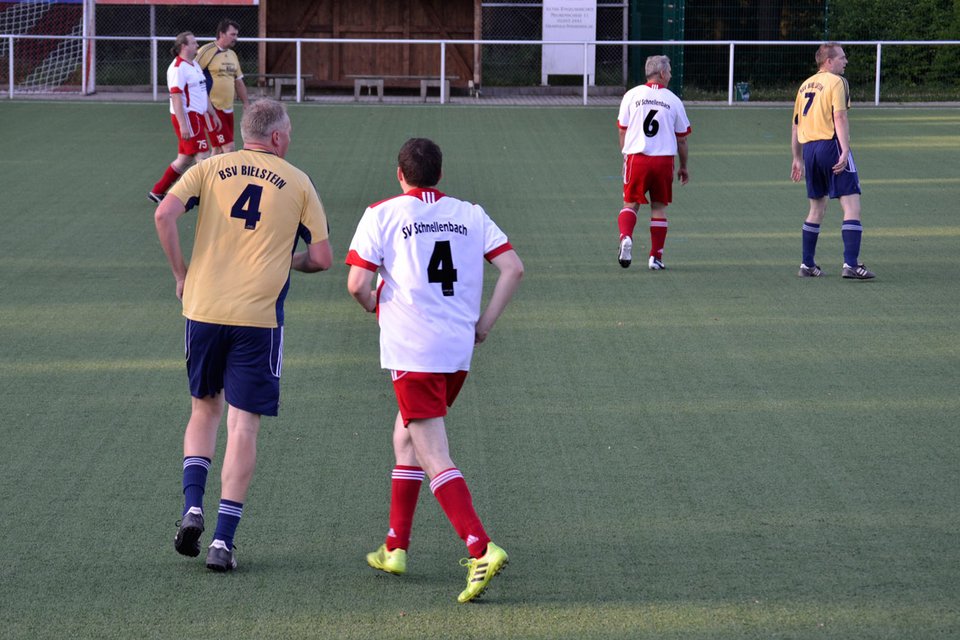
point(653, 129)
point(221, 68)
point(189, 112)
point(429, 250)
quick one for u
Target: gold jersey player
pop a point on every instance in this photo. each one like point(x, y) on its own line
point(221, 68)
point(253, 207)
point(820, 143)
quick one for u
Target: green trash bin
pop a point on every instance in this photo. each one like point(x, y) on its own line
point(742, 91)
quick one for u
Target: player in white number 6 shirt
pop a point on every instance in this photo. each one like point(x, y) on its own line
point(428, 251)
point(653, 129)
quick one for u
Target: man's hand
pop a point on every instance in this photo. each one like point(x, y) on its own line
point(796, 170)
point(842, 162)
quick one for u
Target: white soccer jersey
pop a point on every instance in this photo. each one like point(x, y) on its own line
point(186, 82)
point(429, 250)
point(653, 118)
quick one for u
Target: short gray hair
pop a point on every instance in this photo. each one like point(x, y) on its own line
point(656, 65)
point(262, 118)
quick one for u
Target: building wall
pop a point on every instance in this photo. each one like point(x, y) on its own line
point(330, 64)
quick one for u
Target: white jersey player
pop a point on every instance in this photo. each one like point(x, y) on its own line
point(653, 129)
point(428, 250)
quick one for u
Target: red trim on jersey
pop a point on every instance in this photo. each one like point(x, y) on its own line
point(620, 126)
point(177, 61)
point(354, 260)
point(685, 133)
point(654, 85)
point(416, 192)
point(496, 252)
point(427, 194)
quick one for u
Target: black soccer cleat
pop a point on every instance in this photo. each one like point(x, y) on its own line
point(187, 540)
point(858, 272)
point(221, 559)
point(810, 272)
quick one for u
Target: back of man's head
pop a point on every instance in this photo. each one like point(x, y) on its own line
point(656, 65)
point(826, 51)
point(262, 118)
point(421, 162)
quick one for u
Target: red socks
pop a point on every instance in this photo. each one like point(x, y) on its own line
point(658, 236)
point(452, 493)
point(170, 176)
point(404, 492)
point(627, 220)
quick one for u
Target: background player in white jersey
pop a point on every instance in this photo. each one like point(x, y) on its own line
point(189, 112)
point(428, 250)
point(253, 207)
point(653, 129)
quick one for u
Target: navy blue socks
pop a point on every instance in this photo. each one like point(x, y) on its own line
point(195, 470)
point(851, 230)
point(811, 232)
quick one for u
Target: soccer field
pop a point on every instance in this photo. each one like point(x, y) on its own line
point(719, 450)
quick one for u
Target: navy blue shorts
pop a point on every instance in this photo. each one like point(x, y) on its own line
point(819, 157)
point(243, 362)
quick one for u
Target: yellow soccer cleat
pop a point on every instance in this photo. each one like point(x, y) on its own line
point(480, 571)
point(394, 562)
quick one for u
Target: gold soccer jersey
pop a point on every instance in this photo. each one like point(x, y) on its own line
point(253, 205)
point(817, 100)
point(222, 68)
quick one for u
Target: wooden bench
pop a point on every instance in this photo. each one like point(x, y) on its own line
point(370, 82)
point(280, 80)
point(377, 81)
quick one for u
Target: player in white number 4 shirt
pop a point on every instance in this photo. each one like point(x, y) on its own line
point(428, 251)
point(653, 129)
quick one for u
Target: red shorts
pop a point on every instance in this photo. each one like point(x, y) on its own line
point(223, 135)
point(422, 396)
point(643, 174)
point(196, 144)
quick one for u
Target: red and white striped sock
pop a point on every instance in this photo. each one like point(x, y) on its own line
point(404, 491)
point(658, 236)
point(452, 493)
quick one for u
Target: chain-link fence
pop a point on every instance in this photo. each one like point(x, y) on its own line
point(127, 63)
point(45, 64)
point(48, 56)
point(520, 65)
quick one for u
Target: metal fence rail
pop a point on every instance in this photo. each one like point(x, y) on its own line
point(726, 48)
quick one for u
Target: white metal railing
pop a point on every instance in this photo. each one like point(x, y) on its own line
point(442, 44)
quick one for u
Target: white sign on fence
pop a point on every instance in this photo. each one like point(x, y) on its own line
point(569, 20)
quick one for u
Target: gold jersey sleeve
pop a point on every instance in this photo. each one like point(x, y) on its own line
point(252, 207)
point(818, 98)
point(222, 69)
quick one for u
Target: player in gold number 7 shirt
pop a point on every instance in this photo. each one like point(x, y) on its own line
point(820, 143)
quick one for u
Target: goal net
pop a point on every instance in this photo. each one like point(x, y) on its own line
point(46, 64)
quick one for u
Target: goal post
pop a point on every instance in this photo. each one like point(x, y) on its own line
point(54, 42)
point(50, 52)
